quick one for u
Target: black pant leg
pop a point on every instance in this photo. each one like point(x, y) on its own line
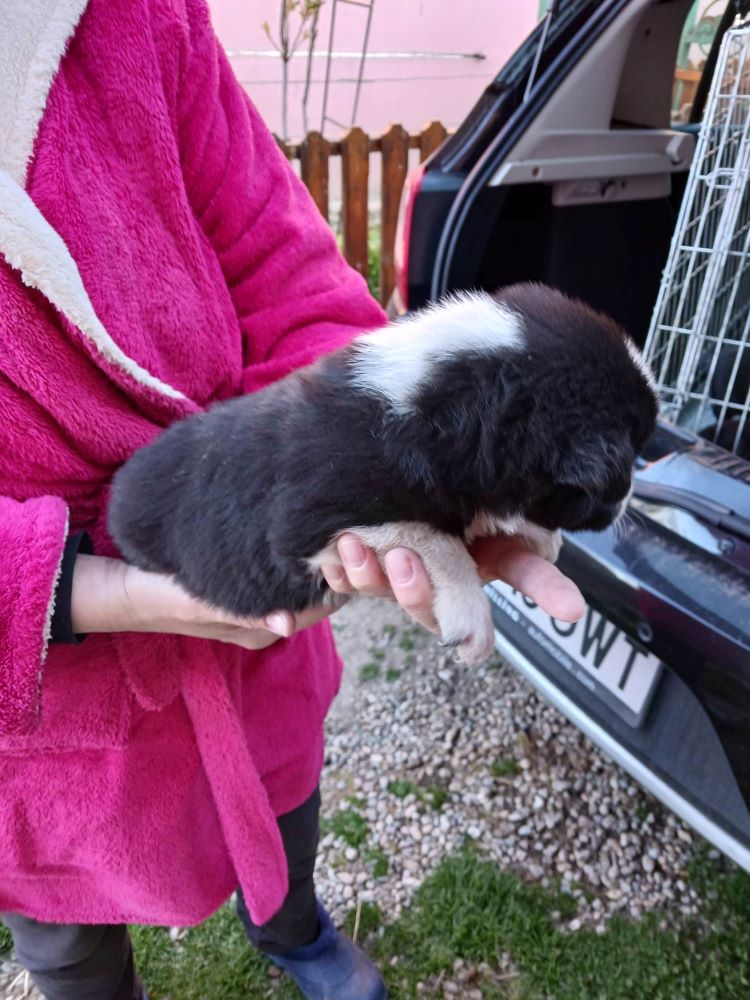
point(296, 923)
point(75, 961)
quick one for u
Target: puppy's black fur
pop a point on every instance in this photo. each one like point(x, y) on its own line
point(234, 501)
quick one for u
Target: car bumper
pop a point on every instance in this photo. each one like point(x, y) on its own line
point(692, 610)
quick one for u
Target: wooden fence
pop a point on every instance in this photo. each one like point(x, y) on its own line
point(683, 91)
point(354, 149)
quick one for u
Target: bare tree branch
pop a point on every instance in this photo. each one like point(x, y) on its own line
point(287, 44)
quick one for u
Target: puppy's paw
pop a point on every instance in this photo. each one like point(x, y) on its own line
point(465, 621)
point(334, 600)
point(546, 544)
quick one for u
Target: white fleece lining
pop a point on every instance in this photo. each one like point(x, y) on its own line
point(47, 634)
point(53, 596)
point(33, 247)
point(32, 42)
point(33, 37)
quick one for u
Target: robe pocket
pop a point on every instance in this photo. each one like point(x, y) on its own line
point(85, 702)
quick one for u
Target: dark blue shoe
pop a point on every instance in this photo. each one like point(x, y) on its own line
point(332, 968)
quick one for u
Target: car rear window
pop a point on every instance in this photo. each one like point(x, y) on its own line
point(698, 35)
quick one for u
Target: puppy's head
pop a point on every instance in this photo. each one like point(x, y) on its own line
point(590, 404)
point(525, 403)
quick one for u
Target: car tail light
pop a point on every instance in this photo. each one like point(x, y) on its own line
point(403, 232)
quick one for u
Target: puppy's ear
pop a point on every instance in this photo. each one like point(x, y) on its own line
point(595, 463)
point(460, 425)
point(466, 434)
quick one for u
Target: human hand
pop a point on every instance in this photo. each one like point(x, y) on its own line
point(404, 578)
point(111, 596)
point(507, 558)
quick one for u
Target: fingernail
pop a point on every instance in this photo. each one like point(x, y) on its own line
point(278, 623)
point(400, 567)
point(352, 552)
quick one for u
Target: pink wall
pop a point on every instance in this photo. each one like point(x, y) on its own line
point(406, 90)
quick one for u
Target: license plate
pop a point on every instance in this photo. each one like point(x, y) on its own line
point(600, 656)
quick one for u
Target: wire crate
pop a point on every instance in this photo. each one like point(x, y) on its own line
point(699, 341)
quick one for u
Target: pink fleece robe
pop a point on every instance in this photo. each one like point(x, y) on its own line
point(140, 774)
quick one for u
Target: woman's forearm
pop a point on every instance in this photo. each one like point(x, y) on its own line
point(108, 595)
point(99, 596)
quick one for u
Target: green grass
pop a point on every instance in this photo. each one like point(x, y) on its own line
point(6, 942)
point(212, 961)
point(370, 920)
point(434, 796)
point(369, 672)
point(506, 767)
point(642, 812)
point(378, 861)
point(470, 909)
point(473, 911)
point(373, 258)
point(401, 788)
point(348, 824)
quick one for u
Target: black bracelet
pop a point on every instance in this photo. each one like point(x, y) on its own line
point(61, 627)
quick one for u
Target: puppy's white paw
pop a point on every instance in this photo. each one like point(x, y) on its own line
point(546, 544)
point(465, 621)
point(334, 600)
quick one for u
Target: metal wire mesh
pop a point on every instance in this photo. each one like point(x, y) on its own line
point(699, 341)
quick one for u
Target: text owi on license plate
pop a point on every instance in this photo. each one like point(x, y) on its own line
point(597, 653)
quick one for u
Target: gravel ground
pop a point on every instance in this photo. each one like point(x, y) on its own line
point(424, 753)
point(431, 752)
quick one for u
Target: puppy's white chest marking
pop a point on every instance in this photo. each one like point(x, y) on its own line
point(544, 542)
point(460, 604)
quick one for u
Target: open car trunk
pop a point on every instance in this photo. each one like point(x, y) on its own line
point(588, 197)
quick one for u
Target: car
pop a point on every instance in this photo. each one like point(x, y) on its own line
point(574, 168)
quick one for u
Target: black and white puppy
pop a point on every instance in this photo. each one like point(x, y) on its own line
point(518, 413)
